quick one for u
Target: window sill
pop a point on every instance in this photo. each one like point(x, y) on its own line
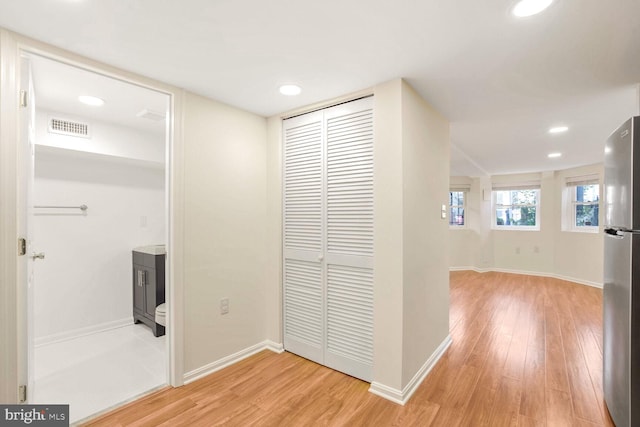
point(514, 228)
point(587, 230)
point(457, 227)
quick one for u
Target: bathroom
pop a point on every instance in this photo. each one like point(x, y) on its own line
point(98, 192)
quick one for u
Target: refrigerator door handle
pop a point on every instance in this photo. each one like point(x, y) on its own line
point(612, 232)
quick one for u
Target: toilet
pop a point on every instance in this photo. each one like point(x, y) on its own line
point(161, 314)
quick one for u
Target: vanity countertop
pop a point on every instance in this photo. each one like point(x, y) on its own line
point(151, 249)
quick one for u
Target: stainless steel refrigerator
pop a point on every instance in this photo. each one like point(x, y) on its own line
point(621, 299)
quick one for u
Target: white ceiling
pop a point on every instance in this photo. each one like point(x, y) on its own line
point(501, 81)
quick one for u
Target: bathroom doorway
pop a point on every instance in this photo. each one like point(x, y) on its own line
point(98, 191)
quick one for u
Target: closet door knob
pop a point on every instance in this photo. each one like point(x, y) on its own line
point(320, 257)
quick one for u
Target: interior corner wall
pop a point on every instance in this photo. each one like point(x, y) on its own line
point(575, 256)
point(579, 255)
point(529, 251)
point(225, 223)
point(425, 160)
point(273, 277)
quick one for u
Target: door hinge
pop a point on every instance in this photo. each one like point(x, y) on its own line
point(22, 246)
point(22, 393)
point(23, 98)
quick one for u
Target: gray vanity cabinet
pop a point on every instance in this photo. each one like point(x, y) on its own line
point(148, 286)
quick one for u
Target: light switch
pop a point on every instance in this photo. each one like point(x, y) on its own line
point(443, 212)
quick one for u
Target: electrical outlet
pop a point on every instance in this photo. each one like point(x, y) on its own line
point(224, 306)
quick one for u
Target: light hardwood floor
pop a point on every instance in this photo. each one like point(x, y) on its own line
point(527, 351)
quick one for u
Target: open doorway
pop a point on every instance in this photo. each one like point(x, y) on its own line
point(98, 192)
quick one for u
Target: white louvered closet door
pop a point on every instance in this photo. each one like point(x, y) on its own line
point(303, 275)
point(328, 237)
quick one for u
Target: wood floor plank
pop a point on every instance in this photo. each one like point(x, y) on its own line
point(526, 351)
point(507, 403)
point(524, 421)
point(533, 400)
point(559, 410)
point(556, 368)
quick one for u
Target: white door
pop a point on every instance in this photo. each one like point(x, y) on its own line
point(328, 237)
point(303, 236)
point(27, 153)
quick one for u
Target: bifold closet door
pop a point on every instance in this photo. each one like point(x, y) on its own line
point(328, 237)
point(303, 274)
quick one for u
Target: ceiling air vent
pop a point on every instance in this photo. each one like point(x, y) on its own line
point(68, 127)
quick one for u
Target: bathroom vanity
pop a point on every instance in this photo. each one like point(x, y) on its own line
point(148, 285)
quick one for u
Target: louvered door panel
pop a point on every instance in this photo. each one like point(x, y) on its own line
point(350, 183)
point(303, 322)
point(350, 320)
point(303, 276)
point(303, 186)
point(349, 237)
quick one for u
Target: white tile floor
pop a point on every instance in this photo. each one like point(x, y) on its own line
point(96, 372)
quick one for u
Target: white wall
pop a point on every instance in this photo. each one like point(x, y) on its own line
point(388, 233)
point(550, 251)
point(84, 282)
point(273, 277)
point(225, 209)
point(578, 255)
point(425, 159)
point(411, 281)
point(107, 139)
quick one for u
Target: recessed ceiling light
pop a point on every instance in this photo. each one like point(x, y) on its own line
point(530, 7)
point(290, 90)
point(554, 155)
point(94, 101)
point(558, 129)
point(607, 149)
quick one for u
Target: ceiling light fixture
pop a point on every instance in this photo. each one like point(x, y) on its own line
point(94, 101)
point(526, 8)
point(290, 90)
point(554, 155)
point(558, 129)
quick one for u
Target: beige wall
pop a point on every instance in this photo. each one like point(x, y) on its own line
point(273, 277)
point(425, 172)
point(225, 211)
point(571, 255)
point(578, 255)
point(388, 234)
point(411, 292)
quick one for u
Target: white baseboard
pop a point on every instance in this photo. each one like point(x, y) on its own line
point(529, 273)
point(402, 396)
point(274, 346)
point(80, 332)
point(231, 359)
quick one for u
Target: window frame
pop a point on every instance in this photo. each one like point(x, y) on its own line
point(464, 192)
point(572, 203)
point(495, 207)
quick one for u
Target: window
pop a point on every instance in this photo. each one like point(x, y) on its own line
point(456, 209)
point(516, 208)
point(581, 204)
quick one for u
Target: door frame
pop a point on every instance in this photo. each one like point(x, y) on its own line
point(13, 215)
